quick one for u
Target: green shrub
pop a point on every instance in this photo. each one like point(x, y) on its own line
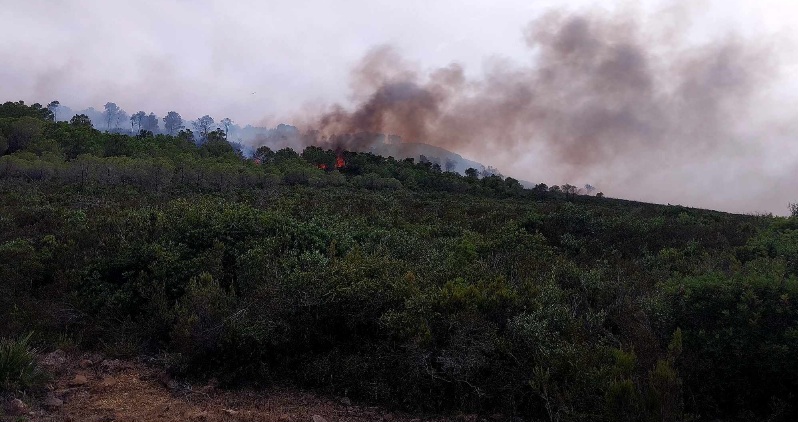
point(18, 367)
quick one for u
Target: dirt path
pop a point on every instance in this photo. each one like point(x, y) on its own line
point(95, 390)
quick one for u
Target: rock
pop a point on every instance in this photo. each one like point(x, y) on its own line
point(346, 402)
point(210, 387)
point(52, 402)
point(198, 416)
point(85, 363)
point(17, 407)
point(108, 382)
point(79, 380)
point(111, 366)
point(283, 418)
point(317, 418)
point(54, 360)
point(230, 412)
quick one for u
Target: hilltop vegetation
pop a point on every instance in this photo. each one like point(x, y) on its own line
point(391, 281)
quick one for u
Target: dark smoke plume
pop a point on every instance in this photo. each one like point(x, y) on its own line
point(601, 91)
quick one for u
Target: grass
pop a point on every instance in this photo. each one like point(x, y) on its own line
point(18, 367)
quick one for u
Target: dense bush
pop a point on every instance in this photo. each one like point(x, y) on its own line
point(396, 283)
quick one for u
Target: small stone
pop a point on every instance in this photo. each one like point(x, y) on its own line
point(112, 365)
point(317, 418)
point(283, 418)
point(230, 412)
point(210, 387)
point(107, 382)
point(199, 416)
point(85, 363)
point(54, 360)
point(17, 407)
point(53, 402)
point(346, 402)
point(79, 380)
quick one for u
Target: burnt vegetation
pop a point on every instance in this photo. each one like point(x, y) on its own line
point(389, 280)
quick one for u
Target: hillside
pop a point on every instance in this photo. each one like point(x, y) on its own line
point(388, 281)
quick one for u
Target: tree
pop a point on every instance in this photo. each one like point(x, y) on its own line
point(263, 155)
point(144, 133)
point(137, 119)
point(216, 145)
point(23, 131)
point(450, 164)
point(513, 184)
point(570, 189)
point(793, 209)
point(151, 123)
point(187, 135)
point(472, 173)
point(80, 120)
point(319, 157)
point(111, 110)
point(172, 122)
point(540, 189)
point(226, 123)
point(203, 126)
point(490, 171)
point(53, 107)
point(3, 145)
point(285, 155)
point(121, 116)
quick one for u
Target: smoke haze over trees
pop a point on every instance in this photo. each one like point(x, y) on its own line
point(607, 99)
point(651, 102)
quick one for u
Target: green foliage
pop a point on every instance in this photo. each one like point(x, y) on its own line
point(18, 366)
point(19, 109)
point(200, 317)
point(392, 281)
point(81, 121)
point(22, 132)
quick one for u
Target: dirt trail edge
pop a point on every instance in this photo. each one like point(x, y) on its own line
point(94, 389)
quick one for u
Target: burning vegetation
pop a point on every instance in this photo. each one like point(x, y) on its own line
point(339, 163)
point(605, 99)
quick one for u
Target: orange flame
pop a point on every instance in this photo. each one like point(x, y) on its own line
point(339, 162)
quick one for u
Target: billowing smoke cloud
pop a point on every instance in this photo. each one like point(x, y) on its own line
point(659, 104)
point(606, 100)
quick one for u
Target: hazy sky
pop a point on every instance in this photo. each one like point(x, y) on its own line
point(209, 57)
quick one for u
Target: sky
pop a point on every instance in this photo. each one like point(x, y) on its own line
point(681, 102)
